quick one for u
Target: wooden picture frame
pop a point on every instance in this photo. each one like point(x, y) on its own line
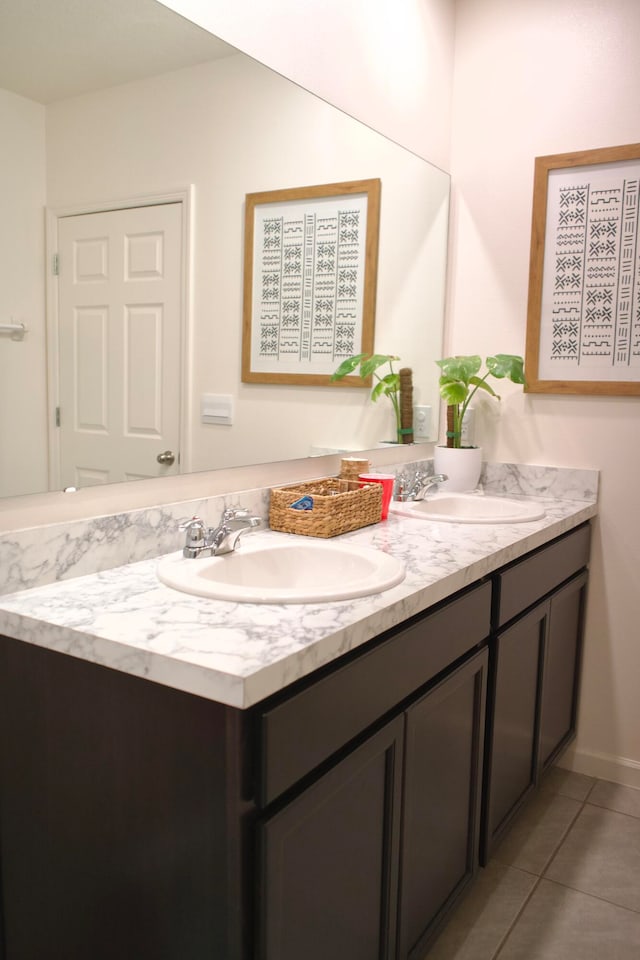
point(583, 317)
point(310, 275)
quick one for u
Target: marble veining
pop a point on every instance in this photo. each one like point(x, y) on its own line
point(41, 555)
point(59, 551)
point(124, 618)
point(511, 479)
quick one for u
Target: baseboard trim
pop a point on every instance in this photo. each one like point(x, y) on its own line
point(601, 765)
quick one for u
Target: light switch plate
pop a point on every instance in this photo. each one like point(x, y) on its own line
point(421, 422)
point(216, 408)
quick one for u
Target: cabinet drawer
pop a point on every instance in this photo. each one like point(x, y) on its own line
point(525, 581)
point(305, 729)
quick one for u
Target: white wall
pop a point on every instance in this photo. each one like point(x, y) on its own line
point(23, 454)
point(388, 64)
point(533, 78)
point(232, 127)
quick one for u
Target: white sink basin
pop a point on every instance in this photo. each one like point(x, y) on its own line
point(470, 508)
point(284, 571)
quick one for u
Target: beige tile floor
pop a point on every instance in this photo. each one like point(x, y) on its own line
point(564, 883)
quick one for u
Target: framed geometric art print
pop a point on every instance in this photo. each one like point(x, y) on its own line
point(310, 274)
point(583, 319)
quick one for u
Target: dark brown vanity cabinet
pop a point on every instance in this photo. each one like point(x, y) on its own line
point(368, 855)
point(340, 818)
point(368, 860)
point(535, 654)
point(125, 816)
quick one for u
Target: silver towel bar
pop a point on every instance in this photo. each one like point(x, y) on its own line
point(17, 330)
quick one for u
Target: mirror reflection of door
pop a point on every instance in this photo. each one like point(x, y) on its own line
point(119, 344)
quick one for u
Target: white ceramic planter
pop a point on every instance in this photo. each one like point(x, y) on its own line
point(462, 465)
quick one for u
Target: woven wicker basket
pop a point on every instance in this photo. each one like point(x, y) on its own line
point(334, 511)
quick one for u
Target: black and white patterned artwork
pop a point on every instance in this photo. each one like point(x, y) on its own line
point(308, 284)
point(590, 311)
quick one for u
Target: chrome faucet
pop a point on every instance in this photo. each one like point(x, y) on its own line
point(202, 541)
point(420, 485)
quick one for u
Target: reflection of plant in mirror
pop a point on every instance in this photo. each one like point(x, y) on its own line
point(459, 382)
point(386, 386)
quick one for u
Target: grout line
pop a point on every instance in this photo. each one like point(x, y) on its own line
point(508, 932)
point(592, 896)
point(591, 788)
point(622, 813)
point(540, 877)
point(563, 837)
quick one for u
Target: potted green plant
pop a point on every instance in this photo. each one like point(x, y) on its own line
point(387, 385)
point(460, 379)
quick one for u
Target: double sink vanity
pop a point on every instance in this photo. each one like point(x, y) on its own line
point(305, 768)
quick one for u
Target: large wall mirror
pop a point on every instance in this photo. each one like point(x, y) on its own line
point(120, 102)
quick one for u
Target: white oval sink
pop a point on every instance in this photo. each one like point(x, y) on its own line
point(470, 508)
point(284, 571)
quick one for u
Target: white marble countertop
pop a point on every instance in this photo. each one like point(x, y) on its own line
point(238, 653)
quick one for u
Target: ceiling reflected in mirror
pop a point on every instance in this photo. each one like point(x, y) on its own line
point(64, 48)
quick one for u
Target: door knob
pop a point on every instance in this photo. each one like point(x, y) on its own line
point(167, 457)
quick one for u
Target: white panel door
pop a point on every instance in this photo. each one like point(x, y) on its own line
point(119, 315)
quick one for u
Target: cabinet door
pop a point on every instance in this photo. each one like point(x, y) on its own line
point(533, 696)
point(561, 669)
point(328, 860)
point(511, 769)
point(441, 811)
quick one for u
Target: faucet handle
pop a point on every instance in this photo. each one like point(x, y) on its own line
point(239, 513)
point(234, 513)
point(195, 530)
